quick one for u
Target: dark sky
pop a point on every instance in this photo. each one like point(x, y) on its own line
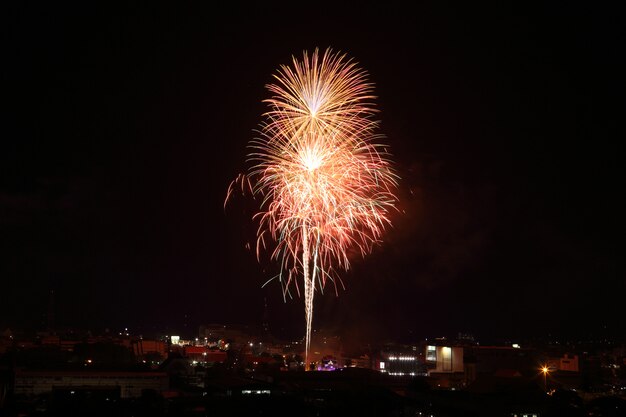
point(122, 127)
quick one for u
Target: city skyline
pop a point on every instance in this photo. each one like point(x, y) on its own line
point(124, 127)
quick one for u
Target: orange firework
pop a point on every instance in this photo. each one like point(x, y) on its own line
point(325, 185)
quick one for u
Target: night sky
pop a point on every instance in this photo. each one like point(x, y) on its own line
point(122, 127)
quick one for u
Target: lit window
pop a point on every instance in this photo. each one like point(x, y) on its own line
point(431, 353)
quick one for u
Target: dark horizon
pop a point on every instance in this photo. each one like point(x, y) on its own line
point(123, 128)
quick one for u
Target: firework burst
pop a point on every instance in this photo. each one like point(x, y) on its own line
point(325, 182)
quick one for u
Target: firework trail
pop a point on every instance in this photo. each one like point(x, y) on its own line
point(325, 184)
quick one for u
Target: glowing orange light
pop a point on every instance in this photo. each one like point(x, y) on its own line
point(324, 184)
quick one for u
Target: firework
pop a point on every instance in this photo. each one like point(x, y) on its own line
point(325, 182)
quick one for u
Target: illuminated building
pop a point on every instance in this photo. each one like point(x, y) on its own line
point(444, 359)
point(401, 365)
point(118, 383)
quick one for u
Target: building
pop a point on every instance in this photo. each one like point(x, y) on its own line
point(400, 365)
point(567, 363)
point(149, 349)
point(445, 366)
point(444, 359)
point(400, 360)
point(126, 384)
point(487, 360)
